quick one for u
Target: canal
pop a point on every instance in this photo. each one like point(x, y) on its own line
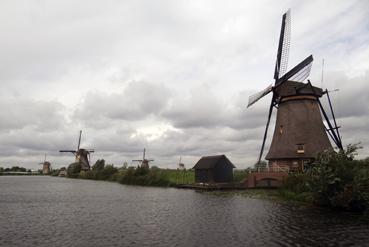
point(52, 211)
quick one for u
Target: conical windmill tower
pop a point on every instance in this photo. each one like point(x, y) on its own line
point(46, 166)
point(82, 155)
point(144, 162)
point(299, 132)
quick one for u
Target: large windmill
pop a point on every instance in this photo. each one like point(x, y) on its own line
point(82, 155)
point(299, 132)
point(46, 166)
point(144, 162)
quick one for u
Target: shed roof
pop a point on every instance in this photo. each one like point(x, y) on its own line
point(208, 162)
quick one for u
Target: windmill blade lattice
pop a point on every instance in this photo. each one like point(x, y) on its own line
point(255, 97)
point(296, 70)
point(283, 46)
point(302, 74)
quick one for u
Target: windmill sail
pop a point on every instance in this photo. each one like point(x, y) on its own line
point(302, 74)
point(255, 97)
point(283, 46)
point(302, 70)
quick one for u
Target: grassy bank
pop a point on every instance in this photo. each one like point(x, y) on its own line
point(132, 175)
point(20, 174)
point(18, 171)
point(139, 175)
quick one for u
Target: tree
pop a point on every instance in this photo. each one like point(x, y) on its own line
point(260, 165)
point(99, 165)
point(125, 165)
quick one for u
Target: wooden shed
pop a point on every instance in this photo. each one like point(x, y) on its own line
point(214, 169)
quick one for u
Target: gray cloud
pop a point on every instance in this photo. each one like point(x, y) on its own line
point(173, 77)
point(19, 113)
point(137, 101)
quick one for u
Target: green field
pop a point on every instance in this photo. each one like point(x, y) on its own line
point(188, 176)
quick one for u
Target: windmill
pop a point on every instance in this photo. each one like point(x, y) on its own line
point(82, 155)
point(144, 162)
point(299, 132)
point(46, 166)
point(181, 166)
point(181, 169)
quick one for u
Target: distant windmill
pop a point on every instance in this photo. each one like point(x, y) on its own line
point(181, 169)
point(82, 155)
point(299, 132)
point(144, 162)
point(46, 166)
point(181, 166)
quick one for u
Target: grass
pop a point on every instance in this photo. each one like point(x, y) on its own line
point(179, 176)
point(188, 176)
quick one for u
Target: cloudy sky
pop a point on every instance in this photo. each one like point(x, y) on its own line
point(171, 76)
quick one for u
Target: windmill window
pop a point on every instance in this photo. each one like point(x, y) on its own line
point(281, 129)
point(300, 148)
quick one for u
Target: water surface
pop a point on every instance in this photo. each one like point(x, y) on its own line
point(52, 211)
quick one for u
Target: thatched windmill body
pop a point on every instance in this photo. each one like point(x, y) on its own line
point(144, 162)
point(46, 166)
point(82, 155)
point(299, 132)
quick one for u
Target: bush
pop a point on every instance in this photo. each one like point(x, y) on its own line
point(55, 172)
point(240, 175)
point(145, 177)
point(73, 170)
point(106, 173)
point(337, 180)
point(334, 180)
point(298, 183)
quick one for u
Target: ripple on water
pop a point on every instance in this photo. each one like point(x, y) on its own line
point(48, 211)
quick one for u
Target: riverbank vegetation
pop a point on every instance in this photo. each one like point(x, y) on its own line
point(139, 175)
point(131, 175)
point(17, 170)
point(334, 180)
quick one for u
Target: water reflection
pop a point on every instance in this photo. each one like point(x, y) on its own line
point(47, 211)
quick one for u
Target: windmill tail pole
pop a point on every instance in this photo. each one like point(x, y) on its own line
point(266, 132)
point(331, 128)
point(334, 117)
